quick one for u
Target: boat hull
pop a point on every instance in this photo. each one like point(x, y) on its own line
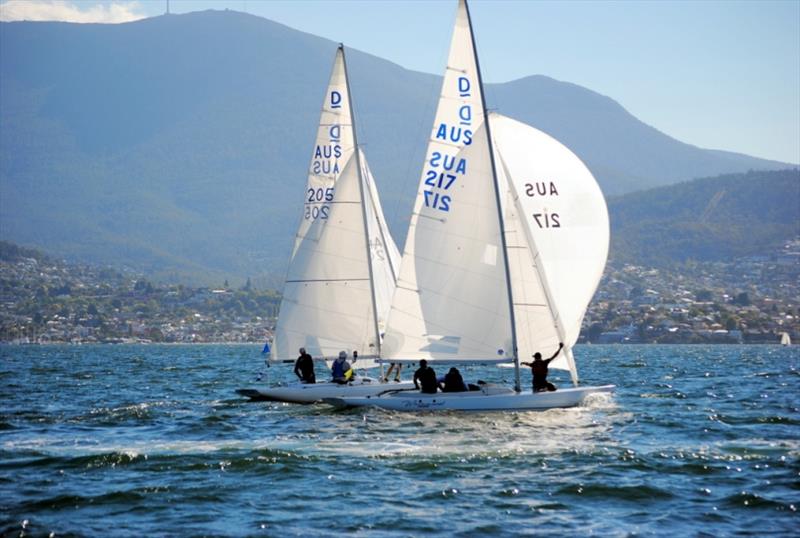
point(315, 392)
point(500, 399)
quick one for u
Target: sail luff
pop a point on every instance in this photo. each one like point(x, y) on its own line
point(363, 209)
point(517, 383)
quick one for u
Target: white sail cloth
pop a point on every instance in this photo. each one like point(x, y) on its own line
point(557, 259)
point(452, 300)
point(328, 302)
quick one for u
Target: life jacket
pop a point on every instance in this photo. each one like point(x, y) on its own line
point(337, 370)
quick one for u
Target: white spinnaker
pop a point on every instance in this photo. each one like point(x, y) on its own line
point(567, 230)
point(333, 148)
point(385, 256)
point(327, 302)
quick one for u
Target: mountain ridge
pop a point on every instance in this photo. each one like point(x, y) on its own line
point(179, 144)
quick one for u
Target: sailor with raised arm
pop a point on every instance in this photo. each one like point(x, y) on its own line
point(539, 370)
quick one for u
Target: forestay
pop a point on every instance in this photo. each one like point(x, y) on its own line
point(452, 300)
point(328, 294)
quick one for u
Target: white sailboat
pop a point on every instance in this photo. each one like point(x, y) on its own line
point(343, 268)
point(786, 340)
point(507, 244)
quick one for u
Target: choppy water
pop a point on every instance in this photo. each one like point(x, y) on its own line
point(152, 440)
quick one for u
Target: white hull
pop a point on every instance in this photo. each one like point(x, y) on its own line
point(310, 393)
point(495, 399)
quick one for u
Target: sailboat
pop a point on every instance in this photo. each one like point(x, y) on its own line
point(507, 243)
point(786, 340)
point(343, 267)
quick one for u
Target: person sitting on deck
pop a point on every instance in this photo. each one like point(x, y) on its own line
point(304, 367)
point(539, 370)
point(426, 377)
point(453, 382)
point(341, 372)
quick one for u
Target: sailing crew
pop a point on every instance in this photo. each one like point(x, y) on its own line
point(304, 367)
point(426, 377)
point(539, 370)
point(392, 366)
point(341, 372)
point(453, 382)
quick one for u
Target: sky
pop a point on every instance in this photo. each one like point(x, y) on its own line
point(716, 74)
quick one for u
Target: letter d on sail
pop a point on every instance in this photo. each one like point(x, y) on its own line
point(336, 99)
point(463, 86)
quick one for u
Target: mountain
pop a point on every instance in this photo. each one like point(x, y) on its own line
point(710, 219)
point(178, 145)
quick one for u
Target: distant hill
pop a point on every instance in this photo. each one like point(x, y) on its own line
point(178, 145)
point(712, 219)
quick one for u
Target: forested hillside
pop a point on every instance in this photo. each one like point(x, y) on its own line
point(708, 219)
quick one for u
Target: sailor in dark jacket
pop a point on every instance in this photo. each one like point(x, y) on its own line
point(453, 382)
point(304, 367)
point(426, 377)
point(539, 370)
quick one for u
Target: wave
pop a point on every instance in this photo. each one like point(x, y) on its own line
point(632, 493)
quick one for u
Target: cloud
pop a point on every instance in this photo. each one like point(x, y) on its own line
point(61, 10)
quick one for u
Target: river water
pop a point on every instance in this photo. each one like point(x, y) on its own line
point(153, 440)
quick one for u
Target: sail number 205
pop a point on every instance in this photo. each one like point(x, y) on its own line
point(315, 206)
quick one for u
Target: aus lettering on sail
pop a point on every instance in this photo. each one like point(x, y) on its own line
point(543, 189)
point(325, 163)
point(443, 168)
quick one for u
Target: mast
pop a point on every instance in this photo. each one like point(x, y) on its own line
point(363, 208)
point(517, 384)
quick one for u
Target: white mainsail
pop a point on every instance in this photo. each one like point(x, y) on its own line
point(333, 148)
point(342, 271)
point(456, 298)
point(451, 301)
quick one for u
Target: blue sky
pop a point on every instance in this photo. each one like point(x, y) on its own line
point(717, 74)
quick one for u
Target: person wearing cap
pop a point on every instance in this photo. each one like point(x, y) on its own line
point(340, 371)
point(539, 370)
